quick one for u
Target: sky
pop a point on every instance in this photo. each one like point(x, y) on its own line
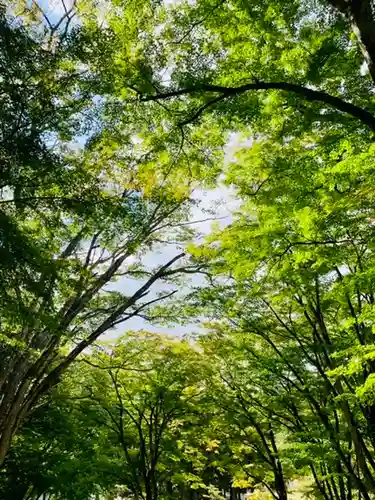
point(224, 203)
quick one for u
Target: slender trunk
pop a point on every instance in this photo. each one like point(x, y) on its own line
point(349, 482)
point(343, 492)
point(334, 489)
point(331, 495)
point(361, 484)
point(364, 27)
point(319, 484)
point(10, 424)
point(278, 469)
point(29, 493)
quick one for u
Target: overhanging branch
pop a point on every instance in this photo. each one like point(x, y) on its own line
point(225, 92)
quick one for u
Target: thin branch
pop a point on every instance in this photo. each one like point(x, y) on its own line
point(143, 306)
point(317, 243)
point(45, 17)
point(54, 375)
point(198, 23)
point(200, 110)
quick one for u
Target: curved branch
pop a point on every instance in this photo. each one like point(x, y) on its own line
point(311, 95)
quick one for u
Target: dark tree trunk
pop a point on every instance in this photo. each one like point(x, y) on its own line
point(361, 15)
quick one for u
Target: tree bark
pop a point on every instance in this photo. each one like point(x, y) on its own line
point(361, 15)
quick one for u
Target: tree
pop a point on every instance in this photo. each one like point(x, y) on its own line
point(297, 262)
point(77, 308)
point(290, 294)
point(250, 414)
point(270, 47)
point(72, 218)
point(59, 454)
point(37, 107)
point(299, 255)
point(134, 419)
point(142, 390)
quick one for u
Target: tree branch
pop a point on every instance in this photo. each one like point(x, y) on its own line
point(225, 92)
point(52, 378)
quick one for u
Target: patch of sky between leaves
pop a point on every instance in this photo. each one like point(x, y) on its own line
point(222, 202)
point(55, 9)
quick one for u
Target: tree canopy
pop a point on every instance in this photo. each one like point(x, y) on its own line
point(115, 117)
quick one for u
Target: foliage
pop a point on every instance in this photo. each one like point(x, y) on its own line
point(111, 118)
point(78, 212)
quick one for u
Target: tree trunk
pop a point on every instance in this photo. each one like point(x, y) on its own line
point(360, 14)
